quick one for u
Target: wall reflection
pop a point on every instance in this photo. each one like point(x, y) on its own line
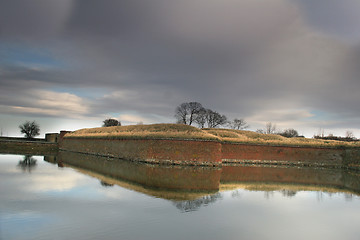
point(192, 187)
point(164, 181)
point(289, 180)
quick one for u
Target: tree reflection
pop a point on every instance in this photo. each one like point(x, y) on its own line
point(27, 164)
point(348, 197)
point(288, 193)
point(105, 184)
point(194, 205)
point(268, 194)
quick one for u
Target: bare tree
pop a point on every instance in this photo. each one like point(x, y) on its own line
point(201, 117)
point(215, 119)
point(239, 124)
point(260, 131)
point(186, 113)
point(270, 128)
point(181, 113)
point(321, 133)
point(349, 135)
point(111, 122)
point(30, 129)
point(210, 118)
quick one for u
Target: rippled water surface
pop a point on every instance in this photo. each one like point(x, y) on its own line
point(84, 198)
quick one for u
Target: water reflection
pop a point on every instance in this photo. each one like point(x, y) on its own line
point(100, 198)
point(105, 184)
point(193, 205)
point(289, 180)
point(27, 164)
point(288, 193)
point(168, 182)
point(197, 186)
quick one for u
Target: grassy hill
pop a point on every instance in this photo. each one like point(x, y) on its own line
point(249, 137)
point(180, 131)
point(153, 131)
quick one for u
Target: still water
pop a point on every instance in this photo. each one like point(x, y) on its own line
point(75, 196)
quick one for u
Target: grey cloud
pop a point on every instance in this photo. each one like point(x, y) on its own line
point(33, 19)
point(242, 58)
point(338, 18)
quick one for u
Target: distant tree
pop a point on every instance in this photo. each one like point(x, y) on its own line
point(201, 117)
point(270, 128)
point(239, 124)
point(260, 131)
point(320, 134)
point(111, 122)
point(30, 129)
point(349, 135)
point(289, 133)
point(186, 113)
point(215, 119)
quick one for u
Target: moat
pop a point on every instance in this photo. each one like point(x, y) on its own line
point(78, 196)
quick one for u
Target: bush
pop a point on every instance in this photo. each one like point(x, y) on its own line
point(289, 133)
point(111, 122)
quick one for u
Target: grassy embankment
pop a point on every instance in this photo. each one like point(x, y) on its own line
point(249, 137)
point(26, 146)
point(185, 132)
point(154, 131)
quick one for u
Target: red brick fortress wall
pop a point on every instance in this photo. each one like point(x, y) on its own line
point(196, 152)
point(182, 152)
point(244, 153)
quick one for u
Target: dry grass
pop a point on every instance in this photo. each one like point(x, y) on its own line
point(153, 131)
point(180, 131)
point(241, 136)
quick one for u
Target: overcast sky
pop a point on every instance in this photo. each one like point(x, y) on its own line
point(69, 64)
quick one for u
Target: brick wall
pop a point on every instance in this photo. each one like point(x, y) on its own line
point(282, 154)
point(311, 176)
point(181, 152)
point(191, 152)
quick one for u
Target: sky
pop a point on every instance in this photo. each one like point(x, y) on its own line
point(70, 64)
